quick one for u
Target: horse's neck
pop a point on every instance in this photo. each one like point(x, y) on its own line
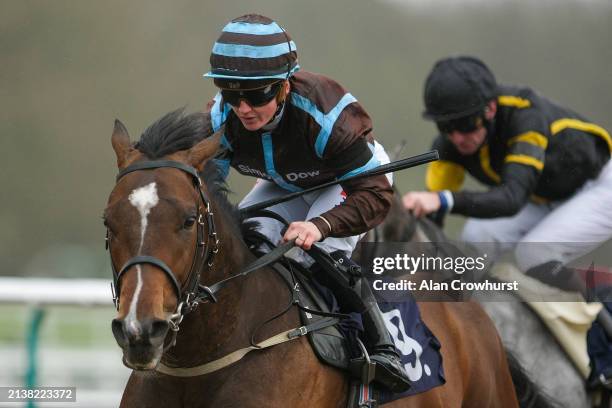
point(215, 330)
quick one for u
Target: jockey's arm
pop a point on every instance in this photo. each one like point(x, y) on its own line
point(505, 200)
point(442, 178)
point(518, 181)
point(367, 201)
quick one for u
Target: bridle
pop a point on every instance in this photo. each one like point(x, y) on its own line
point(193, 292)
point(189, 295)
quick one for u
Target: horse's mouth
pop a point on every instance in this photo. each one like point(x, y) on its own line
point(142, 343)
point(142, 356)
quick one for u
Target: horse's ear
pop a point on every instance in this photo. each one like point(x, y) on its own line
point(204, 150)
point(121, 143)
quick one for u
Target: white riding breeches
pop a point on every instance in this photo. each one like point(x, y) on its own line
point(562, 231)
point(304, 208)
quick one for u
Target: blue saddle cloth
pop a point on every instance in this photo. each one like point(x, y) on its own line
point(418, 347)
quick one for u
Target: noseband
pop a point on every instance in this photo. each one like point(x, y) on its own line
point(205, 250)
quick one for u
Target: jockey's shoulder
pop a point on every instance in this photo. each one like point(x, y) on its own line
point(321, 90)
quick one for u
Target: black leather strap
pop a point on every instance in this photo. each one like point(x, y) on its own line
point(155, 164)
point(208, 292)
point(317, 325)
point(144, 259)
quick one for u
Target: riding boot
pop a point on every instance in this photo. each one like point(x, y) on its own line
point(340, 274)
point(389, 369)
point(554, 273)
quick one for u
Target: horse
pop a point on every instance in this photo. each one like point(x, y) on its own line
point(538, 360)
point(171, 229)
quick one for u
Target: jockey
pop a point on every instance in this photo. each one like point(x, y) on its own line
point(548, 170)
point(293, 130)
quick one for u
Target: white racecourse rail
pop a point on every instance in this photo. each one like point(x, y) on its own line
point(64, 365)
point(66, 292)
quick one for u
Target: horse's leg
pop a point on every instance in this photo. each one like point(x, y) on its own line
point(145, 390)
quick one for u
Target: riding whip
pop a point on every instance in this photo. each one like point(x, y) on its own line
point(383, 169)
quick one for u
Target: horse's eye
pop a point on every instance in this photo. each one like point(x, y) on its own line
point(189, 222)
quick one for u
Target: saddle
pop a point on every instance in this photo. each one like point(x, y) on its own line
point(333, 345)
point(334, 337)
point(338, 345)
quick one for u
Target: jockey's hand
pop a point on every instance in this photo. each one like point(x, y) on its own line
point(306, 233)
point(421, 202)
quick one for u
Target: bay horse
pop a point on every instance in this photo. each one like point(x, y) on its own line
point(170, 227)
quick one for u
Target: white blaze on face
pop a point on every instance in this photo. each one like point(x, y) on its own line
point(131, 320)
point(144, 199)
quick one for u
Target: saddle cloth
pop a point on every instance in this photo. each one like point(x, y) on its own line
point(336, 345)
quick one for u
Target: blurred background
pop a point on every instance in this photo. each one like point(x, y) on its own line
point(69, 68)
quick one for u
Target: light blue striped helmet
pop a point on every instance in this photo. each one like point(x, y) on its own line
point(252, 48)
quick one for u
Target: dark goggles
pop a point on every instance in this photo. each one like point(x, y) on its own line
point(253, 97)
point(465, 124)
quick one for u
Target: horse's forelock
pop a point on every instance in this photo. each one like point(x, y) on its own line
point(177, 131)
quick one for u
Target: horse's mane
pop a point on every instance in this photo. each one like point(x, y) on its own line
point(173, 132)
point(176, 131)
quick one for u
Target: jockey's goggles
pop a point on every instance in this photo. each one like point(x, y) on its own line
point(464, 124)
point(253, 97)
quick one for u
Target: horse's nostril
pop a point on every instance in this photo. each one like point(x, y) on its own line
point(118, 333)
point(159, 329)
point(150, 331)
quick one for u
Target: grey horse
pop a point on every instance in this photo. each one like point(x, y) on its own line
point(524, 335)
